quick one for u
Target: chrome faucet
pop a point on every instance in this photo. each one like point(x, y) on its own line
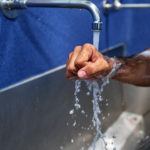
point(117, 4)
point(10, 7)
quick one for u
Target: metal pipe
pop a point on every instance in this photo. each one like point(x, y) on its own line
point(118, 5)
point(135, 6)
point(80, 4)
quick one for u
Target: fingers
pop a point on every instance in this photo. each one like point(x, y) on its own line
point(79, 57)
point(86, 54)
point(71, 68)
point(86, 63)
point(94, 69)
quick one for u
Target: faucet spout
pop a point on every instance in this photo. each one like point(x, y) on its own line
point(80, 4)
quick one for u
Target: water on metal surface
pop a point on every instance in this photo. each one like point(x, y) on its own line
point(96, 89)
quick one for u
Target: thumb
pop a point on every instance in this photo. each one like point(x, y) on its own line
point(87, 71)
point(91, 69)
point(82, 74)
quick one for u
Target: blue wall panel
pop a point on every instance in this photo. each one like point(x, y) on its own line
point(131, 26)
point(41, 39)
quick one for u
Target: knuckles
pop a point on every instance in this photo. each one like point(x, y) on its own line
point(79, 63)
point(77, 48)
point(89, 46)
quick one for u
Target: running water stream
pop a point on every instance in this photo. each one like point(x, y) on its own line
point(96, 89)
point(96, 35)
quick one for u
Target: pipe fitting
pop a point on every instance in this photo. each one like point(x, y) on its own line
point(12, 4)
point(97, 26)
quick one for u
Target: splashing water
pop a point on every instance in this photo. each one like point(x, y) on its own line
point(96, 93)
point(95, 89)
point(77, 90)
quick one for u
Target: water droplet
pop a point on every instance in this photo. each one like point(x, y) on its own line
point(77, 106)
point(72, 141)
point(61, 147)
point(82, 112)
point(103, 118)
point(88, 93)
point(71, 112)
point(74, 124)
point(107, 104)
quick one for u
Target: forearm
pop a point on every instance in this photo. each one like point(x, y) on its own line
point(135, 70)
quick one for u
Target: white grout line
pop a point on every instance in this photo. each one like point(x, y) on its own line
point(33, 78)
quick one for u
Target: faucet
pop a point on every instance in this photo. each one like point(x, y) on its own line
point(10, 7)
point(116, 5)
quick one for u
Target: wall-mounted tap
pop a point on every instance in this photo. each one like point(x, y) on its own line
point(116, 5)
point(9, 7)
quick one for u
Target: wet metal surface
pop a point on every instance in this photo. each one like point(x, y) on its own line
point(35, 114)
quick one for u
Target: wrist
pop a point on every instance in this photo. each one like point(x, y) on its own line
point(110, 61)
point(114, 65)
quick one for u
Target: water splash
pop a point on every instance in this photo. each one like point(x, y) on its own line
point(77, 90)
point(95, 89)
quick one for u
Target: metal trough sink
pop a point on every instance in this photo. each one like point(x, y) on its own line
point(34, 113)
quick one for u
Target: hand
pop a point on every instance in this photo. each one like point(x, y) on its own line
point(86, 62)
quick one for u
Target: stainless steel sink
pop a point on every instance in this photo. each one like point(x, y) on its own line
point(34, 113)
